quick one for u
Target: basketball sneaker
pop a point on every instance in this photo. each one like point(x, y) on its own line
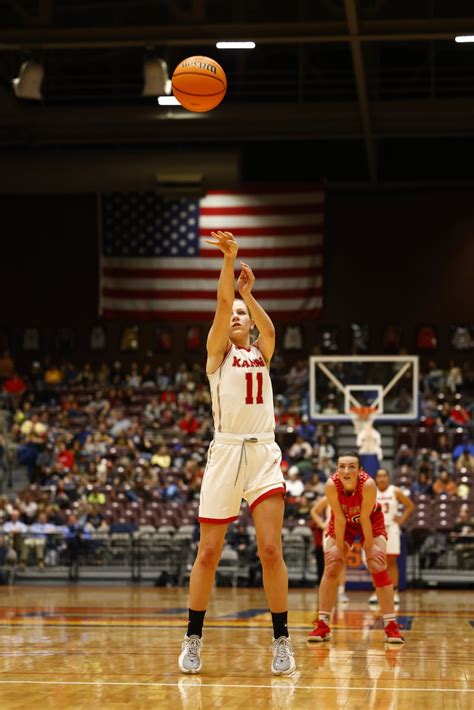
point(190, 657)
point(373, 599)
point(392, 633)
point(342, 598)
point(283, 662)
point(321, 632)
point(396, 598)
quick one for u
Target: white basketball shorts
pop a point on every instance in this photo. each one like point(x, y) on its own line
point(239, 466)
point(393, 539)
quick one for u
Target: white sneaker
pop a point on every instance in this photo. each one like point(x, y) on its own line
point(373, 599)
point(396, 598)
point(190, 657)
point(283, 662)
point(343, 598)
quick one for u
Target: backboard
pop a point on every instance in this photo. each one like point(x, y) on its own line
point(340, 383)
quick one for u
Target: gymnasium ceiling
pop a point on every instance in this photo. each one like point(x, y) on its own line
point(372, 92)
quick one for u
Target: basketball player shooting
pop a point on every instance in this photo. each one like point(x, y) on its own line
point(243, 459)
point(351, 493)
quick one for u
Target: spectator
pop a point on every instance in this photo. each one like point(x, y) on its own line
point(189, 424)
point(463, 536)
point(325, 450)
point(14, 386)
point(301, 449)
point(162, 458)
point(53, 376)
point(444, 484)
point(466, 460)
point(36, 539)
point(294, 484)
point(7, 366)
point(404, 456)
point(422, 484)
point(314, 488)
point(7, 559)
point(15, 529)
point(454, 377)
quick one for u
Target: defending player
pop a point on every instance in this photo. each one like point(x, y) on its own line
point(351, 493)
point(389, 497)
point(243, 458)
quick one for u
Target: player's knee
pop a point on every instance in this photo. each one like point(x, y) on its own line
point(333, 568)
point(269, 554)
point(209, 556)
point(375, 567)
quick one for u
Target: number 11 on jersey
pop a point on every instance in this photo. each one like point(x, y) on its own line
point(249, 377)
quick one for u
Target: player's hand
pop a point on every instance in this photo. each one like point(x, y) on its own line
point(225, 241)
point(375, 554)
point(334, 554)
point(246, 280)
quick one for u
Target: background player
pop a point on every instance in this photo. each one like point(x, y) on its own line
point(389, 497)
point(351, 493)
point(243, 458)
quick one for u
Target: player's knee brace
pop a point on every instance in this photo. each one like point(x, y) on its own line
point(382, 579)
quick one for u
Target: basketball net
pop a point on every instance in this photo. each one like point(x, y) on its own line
point(368, 438)
point(362, 415)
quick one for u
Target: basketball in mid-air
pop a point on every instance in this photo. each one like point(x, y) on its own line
point(199, 83)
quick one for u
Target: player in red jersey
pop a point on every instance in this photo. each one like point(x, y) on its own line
point(352, 495)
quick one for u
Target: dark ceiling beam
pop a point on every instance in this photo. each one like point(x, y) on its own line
point(263, 33)
point(361, 87)
point(59, 125)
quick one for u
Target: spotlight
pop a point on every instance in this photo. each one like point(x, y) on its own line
point(27, 85)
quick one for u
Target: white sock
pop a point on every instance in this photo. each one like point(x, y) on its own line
point(387, 618)
point(341, 589)
point(324, 616)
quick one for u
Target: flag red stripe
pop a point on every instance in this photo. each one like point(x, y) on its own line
point(214, 253)
point(292, 316)
point(203, 295)
point(263, 209)
point(136, 273)
point(273, 231)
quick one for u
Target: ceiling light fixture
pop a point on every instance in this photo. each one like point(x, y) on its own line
point(156, 79)
point(27, 85)
point(235, 45)
point(168, 101)
point(464, 38)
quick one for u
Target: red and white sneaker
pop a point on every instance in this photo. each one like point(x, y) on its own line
point(321, 632)
point(392, 633)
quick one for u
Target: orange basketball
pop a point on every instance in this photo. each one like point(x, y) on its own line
point(199, 83)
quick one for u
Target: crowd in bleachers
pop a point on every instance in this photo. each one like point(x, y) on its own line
point(119, 450)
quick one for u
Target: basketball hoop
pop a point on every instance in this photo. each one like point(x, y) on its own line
point(363, 413)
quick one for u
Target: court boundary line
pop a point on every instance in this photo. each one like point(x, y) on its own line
point(286, 685)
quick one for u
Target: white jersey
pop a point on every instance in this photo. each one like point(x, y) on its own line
point(242, 394)
point(389, 503)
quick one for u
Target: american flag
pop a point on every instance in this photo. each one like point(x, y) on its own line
point(156, 264)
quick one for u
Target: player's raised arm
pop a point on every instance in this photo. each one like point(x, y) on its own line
point(218, 337)
point(266, 339)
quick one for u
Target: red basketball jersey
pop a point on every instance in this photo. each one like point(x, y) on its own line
point(351, 504)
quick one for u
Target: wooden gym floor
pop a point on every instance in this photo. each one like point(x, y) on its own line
point(117, 647)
